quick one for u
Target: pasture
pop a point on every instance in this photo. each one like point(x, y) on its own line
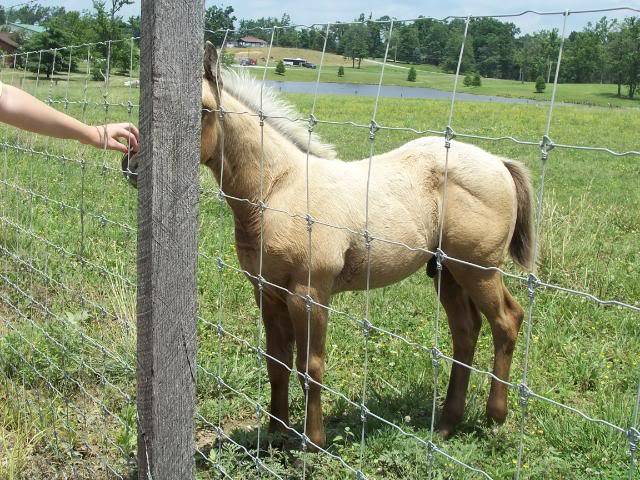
point(582, 355)
point(428, 76)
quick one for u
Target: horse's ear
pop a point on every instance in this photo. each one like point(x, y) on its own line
point(211, 63)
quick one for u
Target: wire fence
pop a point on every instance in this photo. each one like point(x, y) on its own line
point(68, 289)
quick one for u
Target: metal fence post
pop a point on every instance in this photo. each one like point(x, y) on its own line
point(171, 66)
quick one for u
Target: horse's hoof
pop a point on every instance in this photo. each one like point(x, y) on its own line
point(496, 413)
point(445, 431)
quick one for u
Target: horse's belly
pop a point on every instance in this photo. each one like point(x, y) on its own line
point(388, 264)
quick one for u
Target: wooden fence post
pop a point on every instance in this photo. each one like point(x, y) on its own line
point(170, 106)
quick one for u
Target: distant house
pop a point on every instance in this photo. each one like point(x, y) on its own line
point(250, 41)
point(25, 29)
point(8, 45)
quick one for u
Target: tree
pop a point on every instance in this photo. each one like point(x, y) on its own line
point(217, 19)
point(409, 44)
point(468, 80)
point(341, 71)
point(411, 77)
point(476, 81)
point(280, 68)
point(355, 43)
point(624, 54)
point(51, 60)
point(540, 85)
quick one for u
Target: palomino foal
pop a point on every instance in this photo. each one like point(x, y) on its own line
point(488, 214)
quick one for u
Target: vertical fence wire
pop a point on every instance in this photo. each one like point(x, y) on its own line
point(366, 321)
point(546, 145)
point(260, 285)
point(439, 254)
point(309, 220)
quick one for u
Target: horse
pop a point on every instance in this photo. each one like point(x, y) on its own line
point(488, 214)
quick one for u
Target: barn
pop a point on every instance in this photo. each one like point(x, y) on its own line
point(251, 41)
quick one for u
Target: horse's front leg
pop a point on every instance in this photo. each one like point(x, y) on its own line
point(279, 332)
point(310, 326)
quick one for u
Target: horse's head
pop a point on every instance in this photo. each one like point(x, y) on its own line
point(211, 91)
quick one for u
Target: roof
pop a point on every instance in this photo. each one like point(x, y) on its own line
point(7, 38)
point(27, 27)
point(252, 39)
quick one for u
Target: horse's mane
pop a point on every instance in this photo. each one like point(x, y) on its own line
point(246, 89)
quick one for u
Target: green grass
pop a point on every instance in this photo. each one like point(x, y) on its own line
point(431, 77)
point(581, 354)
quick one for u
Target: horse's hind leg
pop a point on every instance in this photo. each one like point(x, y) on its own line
point(279, 332)
point(505, 317)
point(464, 323)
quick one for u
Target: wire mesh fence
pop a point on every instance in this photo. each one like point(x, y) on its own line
point(68, 294)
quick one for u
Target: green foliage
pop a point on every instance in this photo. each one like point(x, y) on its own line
point(412, 75)
point(218, 18)
point(468, 80)
point(356, 45)
point(341, 71)
point(228, 58)
point(476, 81)
point(280, 70)
point(540, 85)
point(49, 40)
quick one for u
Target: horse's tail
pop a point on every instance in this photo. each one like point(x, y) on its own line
point(521, 246)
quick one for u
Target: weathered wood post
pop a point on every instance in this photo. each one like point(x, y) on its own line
point(170, 109)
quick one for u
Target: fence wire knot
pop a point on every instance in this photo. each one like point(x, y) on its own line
point(546, 145)
point(532, 284)
point(313, 121)
point(262, 117)
point(366, 327)
point(360, 475)
point(440, 258)
point(373, 129)
point(220, 195)
point(368, 238)
point(524, 393)
point(221, 113)
point(364, 411)
point(449, 135)
point(310, 221)
point(436, 355)
point(633, 434)
point(260, 280)
point(308, 302)
point(220, 263)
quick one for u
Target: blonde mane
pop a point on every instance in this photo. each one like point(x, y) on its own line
point(246, 89)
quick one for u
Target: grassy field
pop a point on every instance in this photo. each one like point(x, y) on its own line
point(67, 304)
point(429, 77)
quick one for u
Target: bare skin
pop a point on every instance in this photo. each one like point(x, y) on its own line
point(21, 110)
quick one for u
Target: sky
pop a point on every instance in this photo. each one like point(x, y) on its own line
point(322, 11)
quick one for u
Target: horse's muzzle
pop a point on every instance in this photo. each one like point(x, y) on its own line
point(130, 168)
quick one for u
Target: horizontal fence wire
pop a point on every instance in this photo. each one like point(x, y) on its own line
point(35, 294)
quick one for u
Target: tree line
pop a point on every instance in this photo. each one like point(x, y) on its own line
point(605, 52)
point(114, 50)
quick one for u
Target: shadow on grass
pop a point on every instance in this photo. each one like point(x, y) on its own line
point(343, 426)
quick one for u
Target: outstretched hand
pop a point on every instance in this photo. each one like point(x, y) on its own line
point(121, 137)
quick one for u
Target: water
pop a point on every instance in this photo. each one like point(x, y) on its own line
point(389, 91)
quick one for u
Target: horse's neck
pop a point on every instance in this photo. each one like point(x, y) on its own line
point(253, 163)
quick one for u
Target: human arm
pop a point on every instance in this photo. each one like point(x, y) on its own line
point(24, 111)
